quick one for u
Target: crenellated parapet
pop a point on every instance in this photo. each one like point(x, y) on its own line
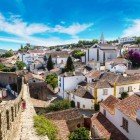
point(10, 114)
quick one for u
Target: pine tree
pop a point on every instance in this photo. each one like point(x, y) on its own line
point(69, 65)
point(50, 63)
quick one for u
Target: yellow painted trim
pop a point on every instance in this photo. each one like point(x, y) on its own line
point(115, 89)
point(95, 95)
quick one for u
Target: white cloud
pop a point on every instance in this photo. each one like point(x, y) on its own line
point(73, 29)
point(24, 32)
point(133, 29)
point(20, 28)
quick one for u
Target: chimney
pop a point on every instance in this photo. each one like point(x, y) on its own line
point(138, 116)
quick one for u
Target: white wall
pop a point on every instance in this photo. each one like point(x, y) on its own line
point(133, 126)
point(69, 83)
point(100, 93)
point(83, 101)
point(135, 88)
point(60, 60)
point(116, 119)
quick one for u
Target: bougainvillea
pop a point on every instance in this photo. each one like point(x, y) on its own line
point(134, 57)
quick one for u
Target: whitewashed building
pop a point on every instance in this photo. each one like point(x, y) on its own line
point(101, 53)
point(118, 65)
point(69, 81)
point(82, 98)
point(127, 40)
point(123, 114)
point(32, 55)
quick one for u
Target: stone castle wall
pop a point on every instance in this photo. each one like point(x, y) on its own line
point(10, 113)
point(8, 78)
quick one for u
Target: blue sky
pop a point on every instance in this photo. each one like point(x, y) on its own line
point(52, 22)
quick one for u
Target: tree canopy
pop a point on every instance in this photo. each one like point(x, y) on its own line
point(8, 54)
point(50, 64)
point(44, 127)
point(69, 65)
point(52, 79)
point(20, 65)
point(80, 134)
point(77, 54)
point(60, 105)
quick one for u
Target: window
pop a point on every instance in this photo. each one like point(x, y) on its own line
point(130, 88)
point(125, 124)
point(105, 91)
point(121, 89)
point(104, 112)
point(73, 97)
point(83, 106)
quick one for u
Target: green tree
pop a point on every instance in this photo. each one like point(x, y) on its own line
point(80, 134)
point(78, 54)
point(124, 95)
point(8, 54)
point(52, 79)
point(1, 66)
point(20, 65)
point(69, 65)
point(60, 105)
point(138, 41)
point(44, 127)
point(50, 64)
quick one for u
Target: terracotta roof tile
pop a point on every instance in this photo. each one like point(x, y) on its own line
point(110, 103)
point(63, 129)
point(129, 106)
point(82, 92)
point(105, 128)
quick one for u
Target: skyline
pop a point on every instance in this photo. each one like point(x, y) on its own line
point(47, 22)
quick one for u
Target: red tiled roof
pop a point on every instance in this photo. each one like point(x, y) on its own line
point(63, 130)
point(68, 114)
point(105, 129)
point(94, 74)
point(110, 103)
point(129, 106)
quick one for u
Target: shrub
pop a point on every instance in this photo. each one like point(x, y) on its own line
point(59, 105)
point(20, 65)
point(80, 134)
point(44, 127)
point(124, 95)
point(8, 54)
point(96, 107)
point(78, 54)
point(52, 80)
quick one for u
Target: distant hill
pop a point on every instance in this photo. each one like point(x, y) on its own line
point(2, 51)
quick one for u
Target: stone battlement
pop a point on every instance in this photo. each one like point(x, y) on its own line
point(10, 114)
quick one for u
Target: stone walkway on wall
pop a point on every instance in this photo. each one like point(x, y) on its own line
point(27, 131)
